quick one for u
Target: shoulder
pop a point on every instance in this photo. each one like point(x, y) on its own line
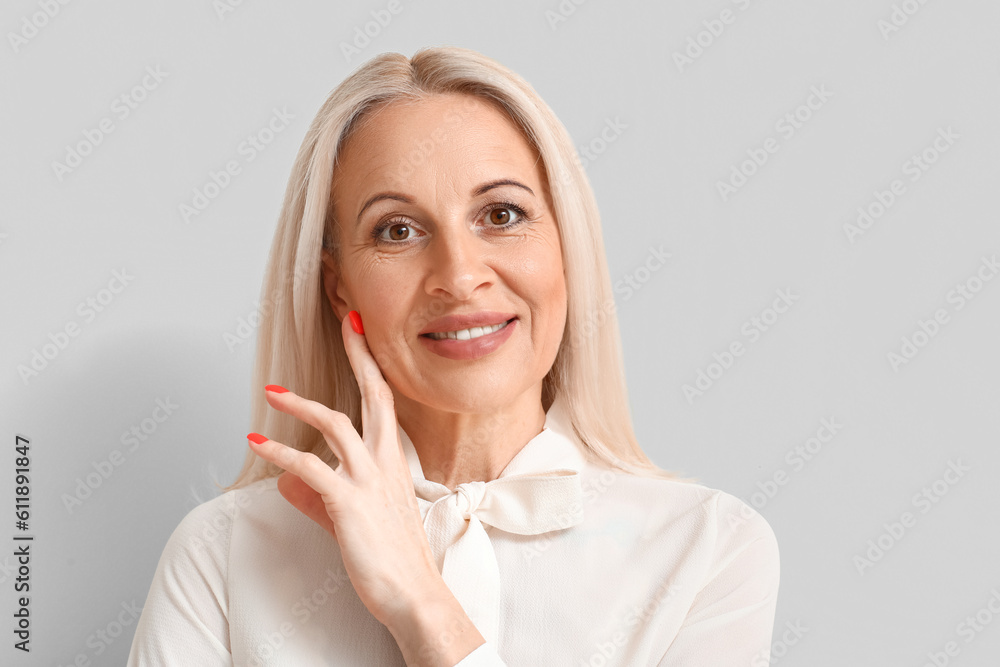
point(713, 526)
point(202, 538)
point(745, 545)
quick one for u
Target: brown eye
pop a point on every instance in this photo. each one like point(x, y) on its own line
point(398, 232)
point(395, 232)
point(500, 216)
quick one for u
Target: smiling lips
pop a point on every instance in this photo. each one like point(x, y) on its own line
point(468, 336)
point(456, 324)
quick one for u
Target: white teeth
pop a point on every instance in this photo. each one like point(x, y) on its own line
point(468, 334)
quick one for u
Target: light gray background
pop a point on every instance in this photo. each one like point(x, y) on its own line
point(681, 129)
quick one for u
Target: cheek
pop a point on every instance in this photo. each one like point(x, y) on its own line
point(539, 280)
point(383, 301)
point(379, 286)
point(539, 259)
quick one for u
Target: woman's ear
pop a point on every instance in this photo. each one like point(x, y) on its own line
point(332, 287)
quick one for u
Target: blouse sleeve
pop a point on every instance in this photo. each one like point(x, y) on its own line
point(185, 618)
point(732, 617)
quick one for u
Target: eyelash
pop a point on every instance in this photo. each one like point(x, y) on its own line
point(522, 217)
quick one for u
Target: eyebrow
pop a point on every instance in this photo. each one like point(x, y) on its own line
point(481, 190)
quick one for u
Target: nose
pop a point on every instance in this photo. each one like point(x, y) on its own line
point(459, 263)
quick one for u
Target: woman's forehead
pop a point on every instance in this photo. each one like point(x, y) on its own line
point(441, 141)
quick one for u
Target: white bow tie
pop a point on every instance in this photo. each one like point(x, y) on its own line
point(539, 491)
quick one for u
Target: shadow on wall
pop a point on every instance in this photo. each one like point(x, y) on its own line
point(132, 434)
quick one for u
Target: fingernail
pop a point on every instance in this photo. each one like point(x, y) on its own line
point(356, 322)
point(256, 438)
point(276, 388)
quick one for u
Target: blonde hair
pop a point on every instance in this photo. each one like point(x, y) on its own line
point(299, 342)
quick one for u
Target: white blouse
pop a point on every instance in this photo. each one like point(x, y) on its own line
point(558, 561)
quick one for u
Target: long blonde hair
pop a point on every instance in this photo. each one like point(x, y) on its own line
point(299, 342)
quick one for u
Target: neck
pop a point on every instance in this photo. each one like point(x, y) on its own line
point(459, 447)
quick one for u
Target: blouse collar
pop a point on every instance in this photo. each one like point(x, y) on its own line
point(557, 446)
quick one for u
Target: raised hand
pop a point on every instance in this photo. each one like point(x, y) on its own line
point(367, 503)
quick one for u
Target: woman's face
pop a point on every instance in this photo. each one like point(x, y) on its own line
point(444, 211)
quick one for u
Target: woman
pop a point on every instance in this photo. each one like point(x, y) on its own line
point(451, 476)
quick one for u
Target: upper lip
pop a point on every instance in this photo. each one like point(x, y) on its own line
point(458, 322)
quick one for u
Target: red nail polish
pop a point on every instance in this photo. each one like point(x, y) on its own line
point(356, 322)
point(257, 438)
point(276, 388)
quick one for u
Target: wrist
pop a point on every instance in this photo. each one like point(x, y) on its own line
point(432, 629)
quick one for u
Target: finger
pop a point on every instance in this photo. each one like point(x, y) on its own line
point(378, 413)
point(336, 427)
point(305, 499)
point(307, 466)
